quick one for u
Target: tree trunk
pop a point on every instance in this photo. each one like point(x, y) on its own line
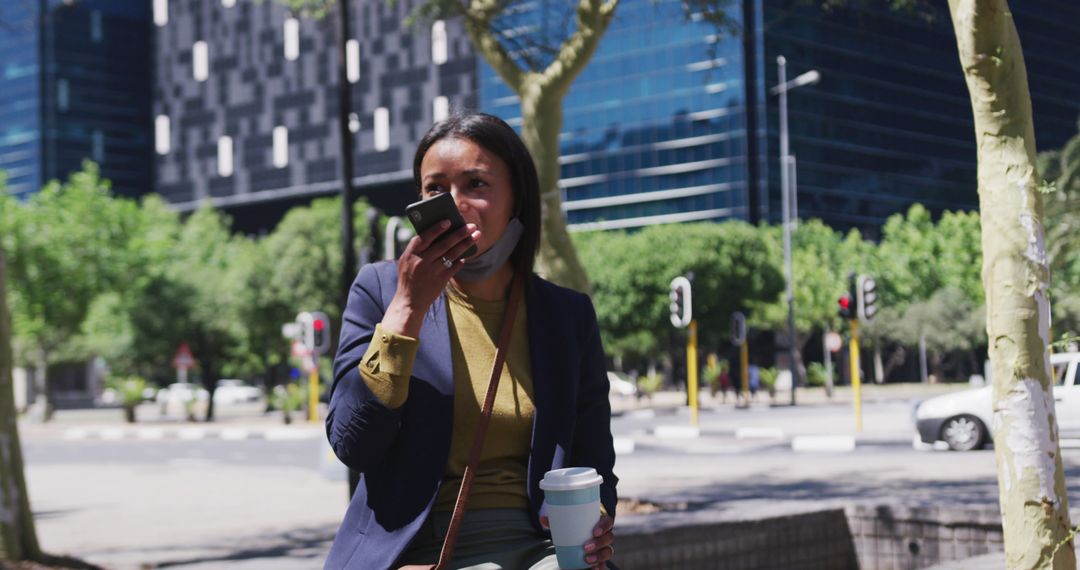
point(1015, 274)
point(43, 406)
point(541, 119)
point(18, 539)
point(209, 381)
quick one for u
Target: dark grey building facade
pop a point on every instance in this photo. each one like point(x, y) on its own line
point(246, 102)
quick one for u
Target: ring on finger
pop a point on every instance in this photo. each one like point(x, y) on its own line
point(446, 262)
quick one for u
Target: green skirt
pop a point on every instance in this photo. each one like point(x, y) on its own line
point(489, 539)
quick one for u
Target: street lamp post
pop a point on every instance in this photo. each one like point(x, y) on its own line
point(781, 89)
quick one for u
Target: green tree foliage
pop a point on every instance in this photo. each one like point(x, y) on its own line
point(733, 270)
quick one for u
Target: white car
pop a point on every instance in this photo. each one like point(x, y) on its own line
point(232, 391)
point(174, 397)
point(963, 419)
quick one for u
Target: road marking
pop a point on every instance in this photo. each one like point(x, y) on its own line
point(825, 443)
point(759, 433)
point(150, 433)
point(233, 434)
point(677, 432)
point(291, 434)
point(623, 446)
point(76, 434)
point(112, 434)
point(646, 414)
point(190, 434)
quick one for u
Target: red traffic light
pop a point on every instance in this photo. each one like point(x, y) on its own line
point(845, 302)
point(318, 324)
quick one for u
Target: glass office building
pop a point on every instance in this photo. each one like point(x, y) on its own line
point(75, 85)
point(672, 121)
point(654, 129)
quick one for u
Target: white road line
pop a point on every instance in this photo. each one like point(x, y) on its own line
point(150, 433)
point(190, 434)
point(677, 432)
point(112, 434)
point(292, 434)
point(234, 434)
point(76, 433)
point(759, 433)
point(623, 446)
point(823, 443)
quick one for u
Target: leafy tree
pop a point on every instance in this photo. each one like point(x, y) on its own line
point(948, 322)
point(732, 268)
point(1034, 501)
point(68, 244)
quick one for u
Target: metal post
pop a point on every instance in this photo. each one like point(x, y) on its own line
point(785, 200)
point(344, 110)
point(744, 372)
point(692, 372)
point(856, 380)
point(828, 362)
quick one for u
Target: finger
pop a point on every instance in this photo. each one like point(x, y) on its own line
point(544, 522)
point(458, 251)
point(462, 238)
point(430, 236)
point(603, 525)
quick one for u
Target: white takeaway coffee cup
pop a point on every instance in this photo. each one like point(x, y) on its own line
point(573, 507)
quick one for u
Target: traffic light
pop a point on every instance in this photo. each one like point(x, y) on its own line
point(867, 298)
point(681, 305)
point(845, 307)
point(315, 331)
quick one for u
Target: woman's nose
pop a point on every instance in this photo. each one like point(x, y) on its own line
point(459, 199)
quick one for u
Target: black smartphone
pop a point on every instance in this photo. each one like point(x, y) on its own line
point(426, 213)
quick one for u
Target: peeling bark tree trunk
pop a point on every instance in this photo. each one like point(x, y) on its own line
point(1034, 505)
point(18, 539)
point(541, 94)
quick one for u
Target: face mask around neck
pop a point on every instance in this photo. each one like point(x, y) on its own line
point(486, 264)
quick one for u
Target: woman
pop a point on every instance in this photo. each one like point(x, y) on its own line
point(413, 363)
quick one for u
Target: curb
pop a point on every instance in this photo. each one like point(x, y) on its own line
point(193, 434)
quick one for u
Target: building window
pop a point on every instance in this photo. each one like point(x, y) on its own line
point(161, 12)
point(354, 123)
point(352, 60)
point(200, 61)
point(96, 30)
point(292, 39)
point(382, 129)
point(438, 42)
point(162, 136)
point(281, 147)
point(224, 157)
point(440, 108)
point(228, 3)
point(63, 96)
point(97, 146)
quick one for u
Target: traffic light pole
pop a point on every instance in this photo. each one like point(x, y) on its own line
point(856, 380)
point(744, 371)
point(692, 372)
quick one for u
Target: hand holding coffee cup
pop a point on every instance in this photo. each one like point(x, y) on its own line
point(582, 537)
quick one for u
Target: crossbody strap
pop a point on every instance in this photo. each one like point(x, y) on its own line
point(481, 427)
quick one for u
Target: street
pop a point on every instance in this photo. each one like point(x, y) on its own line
point(254, 497)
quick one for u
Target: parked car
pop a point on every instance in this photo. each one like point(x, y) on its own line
point(233, 391)
point(962, 419)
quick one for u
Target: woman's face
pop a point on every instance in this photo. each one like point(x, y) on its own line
point(478, 180)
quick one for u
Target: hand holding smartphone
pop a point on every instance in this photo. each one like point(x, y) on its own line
point(426, 213)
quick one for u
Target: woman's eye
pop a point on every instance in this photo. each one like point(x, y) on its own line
point(433, 189)
point(477, 183)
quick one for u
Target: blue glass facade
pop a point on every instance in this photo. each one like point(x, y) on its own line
point(668, 124)
point(20, 115)
point(76, 85)
point(654, 127)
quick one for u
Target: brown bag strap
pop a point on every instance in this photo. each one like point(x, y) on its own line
point(481, 427)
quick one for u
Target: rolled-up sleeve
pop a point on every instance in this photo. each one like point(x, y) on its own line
point(387, 366)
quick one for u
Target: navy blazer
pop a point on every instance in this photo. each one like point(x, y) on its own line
point(402, 454)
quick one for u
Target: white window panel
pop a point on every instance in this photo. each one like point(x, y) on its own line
point(438, 42)
point(161, 12)
point(440, 108)
point(200, 61)
point(382, 129)
point(228, 3)
point(97, 146)
point(63, 94)
point(292, 39)
point(281, 147)
point(162, 134)
point(97, 31)
point(354, 123)
point(352, 60)
point(224, 156)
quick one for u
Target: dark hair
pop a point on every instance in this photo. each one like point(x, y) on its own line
point(495, 136)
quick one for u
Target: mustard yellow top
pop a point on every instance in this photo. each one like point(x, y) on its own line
point(501, 477)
